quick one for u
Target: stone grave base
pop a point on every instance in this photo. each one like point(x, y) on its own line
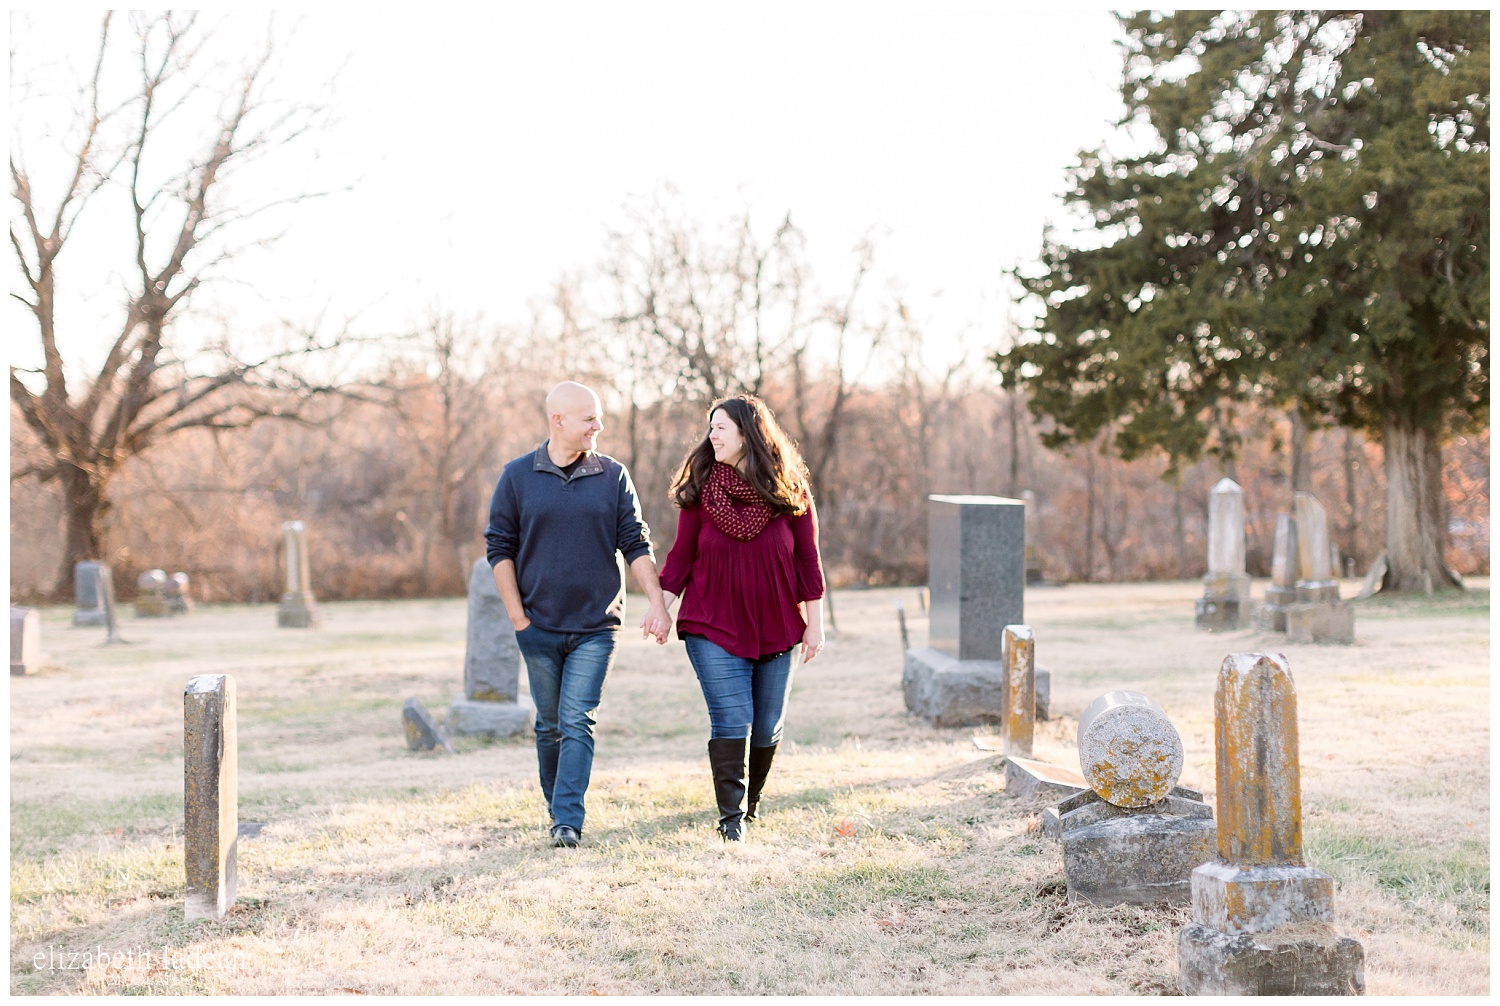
point(1309, 959)
point(1138, 859)
point(297, 611)
point(962, 693)
point(90, 617)
point(1271, 615)
point(1025, 778)
point(1225, 603)
point(470, 718)
point(152, 607)
point(1258, 899)
point(1089, 807)
point(1320, 623)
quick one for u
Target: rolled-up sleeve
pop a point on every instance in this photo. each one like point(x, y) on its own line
point(678, 569)
point(805, 555)
point(632, 536)
point(502, 537)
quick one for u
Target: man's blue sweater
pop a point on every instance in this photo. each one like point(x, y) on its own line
point(566, 533)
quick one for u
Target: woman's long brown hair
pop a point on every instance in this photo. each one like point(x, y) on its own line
point(772, 464)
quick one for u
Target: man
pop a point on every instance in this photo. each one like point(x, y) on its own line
point(559, 521)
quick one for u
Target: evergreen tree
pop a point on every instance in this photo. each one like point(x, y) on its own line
point(1310, 230)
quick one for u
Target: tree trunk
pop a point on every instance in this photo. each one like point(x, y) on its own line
point(1351, 504)
point(1416, 528)
point(1088, 520)
point(1301, 469)
point(1179, 528)
point(84, 507)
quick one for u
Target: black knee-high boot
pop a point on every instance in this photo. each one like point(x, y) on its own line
point(760, 767)
point(726, 755)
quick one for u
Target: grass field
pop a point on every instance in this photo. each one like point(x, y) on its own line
point(889, 859)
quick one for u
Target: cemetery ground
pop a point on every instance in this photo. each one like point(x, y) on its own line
point(888, 858)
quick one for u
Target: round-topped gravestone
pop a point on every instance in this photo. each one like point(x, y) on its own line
point(152, 579)
point(1129, 751)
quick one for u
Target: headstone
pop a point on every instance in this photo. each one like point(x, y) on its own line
point(1020, 689)
point(901, 620)
point(1136, 836)
point(1282, 592)
point(111, 609)
point(176, 593)
point(1317, 616)
point(1025, 779)
point(25, 640)
point(422, 731)
point(150, 597)
point(1033, 538)
point(1225, 603)
point(1262, 918)
point(299, 608)
point(88, 596)
point(210, 795)
point(491, 705)
point(977, 581)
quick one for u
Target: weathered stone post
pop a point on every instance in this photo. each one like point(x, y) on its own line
point(1226, 587)
point(491, 705)
point(111, 610)
point(1033, 538)
point(1019, 728)
point(1318, 616)
point(88, 597)
point(210, 795)
point(1241, 940)
point(299, 608)
point(151, 594)
point(25, 640)
point(1135, 836)
point(1282, 592)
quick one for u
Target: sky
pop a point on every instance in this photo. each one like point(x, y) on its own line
point(485, 154)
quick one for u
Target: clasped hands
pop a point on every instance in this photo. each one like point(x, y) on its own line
point(656, 622)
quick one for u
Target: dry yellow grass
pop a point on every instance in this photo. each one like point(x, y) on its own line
point(889, 859)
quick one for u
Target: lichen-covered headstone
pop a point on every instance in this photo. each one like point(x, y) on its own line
point(1019, 726)
point(1225, 603)
point(1129, 751)
point(151, 596)
point(210, 795)
point(1262, 918)
point(422, 731)
point(25, 640)
point(298, 608)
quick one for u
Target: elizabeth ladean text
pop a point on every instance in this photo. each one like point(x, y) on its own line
point(62, 959)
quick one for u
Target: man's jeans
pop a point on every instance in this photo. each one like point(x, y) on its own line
point(746, 698)
point(566, 672)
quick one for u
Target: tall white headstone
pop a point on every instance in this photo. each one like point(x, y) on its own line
point(298, 609)
point(1225, 603)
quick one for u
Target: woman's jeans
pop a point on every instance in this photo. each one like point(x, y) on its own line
point(746, 698)
point(566, 671)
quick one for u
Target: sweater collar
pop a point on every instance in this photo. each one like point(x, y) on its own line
point(590, 464)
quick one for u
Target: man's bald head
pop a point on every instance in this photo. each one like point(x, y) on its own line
point(574, 419)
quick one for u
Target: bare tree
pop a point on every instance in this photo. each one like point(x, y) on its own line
point(182, 228)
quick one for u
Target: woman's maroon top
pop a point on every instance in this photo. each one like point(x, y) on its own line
point(743, 595)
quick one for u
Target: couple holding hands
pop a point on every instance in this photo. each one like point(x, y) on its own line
point(744, 565)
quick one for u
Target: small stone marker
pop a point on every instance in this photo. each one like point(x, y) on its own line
point(901, 618)
point(491, 705)
point(1033, 538)
point(151, 597)
point(977, 574)
point(299, 608)
point(1020, 690)
point(1225, 603)
point(176, 593)
point(210, 795)
point(1261, 917)
point(111, 610)
point(1136, 836)
point(1282, 592)
point(422, 731)
point(1025, 778)
point(1375, 577)
point(1318, 616)
point(88, 597)
point(25, 640)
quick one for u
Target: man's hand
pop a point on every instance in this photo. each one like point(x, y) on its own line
point(656, 623)
point(522, 624)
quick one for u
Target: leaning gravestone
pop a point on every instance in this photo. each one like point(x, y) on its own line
point(175, 591)
point(25, 640)
point(1318, 616)
point(977, 583)
point(1375, 577)
point(88, 596)
point(491, 705)
point(298, 608)
point(111, 610)
point(422, 731)
point(1225, 603)
point(210, 795)
point(1136, 836)
point(151, 595)
point(1262, 918)
point(1282, 592)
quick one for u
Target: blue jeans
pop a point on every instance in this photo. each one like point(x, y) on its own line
point(566, 672)
point(746, 698)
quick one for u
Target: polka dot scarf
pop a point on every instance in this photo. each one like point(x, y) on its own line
point(733, 504)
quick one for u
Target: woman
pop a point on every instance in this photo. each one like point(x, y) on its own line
point(746, 566)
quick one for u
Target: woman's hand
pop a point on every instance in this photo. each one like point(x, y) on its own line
point(812, 641)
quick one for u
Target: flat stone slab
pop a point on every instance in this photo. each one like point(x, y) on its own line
point(1257, 899)
point(962, 693)
point(1088, 807)
point(1307, 960)
point(1320, 623)
point(1025, 778)
point(1137, 859)
point(470, 718)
